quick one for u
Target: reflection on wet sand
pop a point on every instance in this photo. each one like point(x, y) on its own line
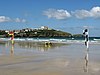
point(39, 45)
point(58, 60)
point(2, 51)
point(86, 61)
point(12, 50)
point(8, 45)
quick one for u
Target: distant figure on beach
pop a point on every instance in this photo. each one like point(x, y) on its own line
point(48, 43)
point(12, 36)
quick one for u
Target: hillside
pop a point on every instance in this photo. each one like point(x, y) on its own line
point(29, 33)
point(43, 33)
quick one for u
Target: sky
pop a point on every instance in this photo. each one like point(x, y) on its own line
point(67, 15)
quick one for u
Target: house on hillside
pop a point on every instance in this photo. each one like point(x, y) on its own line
point(44, 28)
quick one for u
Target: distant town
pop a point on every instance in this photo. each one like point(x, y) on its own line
point(43, 31)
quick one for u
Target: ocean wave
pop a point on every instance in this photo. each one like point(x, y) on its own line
point(53, 40)
point(96, 39)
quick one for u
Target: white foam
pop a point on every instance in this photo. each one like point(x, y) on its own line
point(51, 40)
point(96, 39)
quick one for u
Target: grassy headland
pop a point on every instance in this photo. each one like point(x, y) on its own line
point(41, 32)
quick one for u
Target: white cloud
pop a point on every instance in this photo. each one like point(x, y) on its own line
point(8, 19)
point(94, 13)
point(58, 14)
point(23, 21)
point(17, 20)
point(4, 19)
point(80, 14)
point(20, 20)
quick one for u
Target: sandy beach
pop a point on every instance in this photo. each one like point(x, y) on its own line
point(49, 37)
point(25, 58)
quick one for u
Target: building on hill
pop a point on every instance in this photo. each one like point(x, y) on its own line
point(44, 28)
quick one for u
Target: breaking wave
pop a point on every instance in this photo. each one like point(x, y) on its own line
point(54, 40)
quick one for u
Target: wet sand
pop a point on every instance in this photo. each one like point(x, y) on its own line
point(59, 59)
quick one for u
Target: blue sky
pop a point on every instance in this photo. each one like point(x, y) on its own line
point(67, 15)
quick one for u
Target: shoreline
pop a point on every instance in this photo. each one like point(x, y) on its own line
point(50, 40)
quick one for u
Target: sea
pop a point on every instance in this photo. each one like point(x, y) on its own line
point(92, 40)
